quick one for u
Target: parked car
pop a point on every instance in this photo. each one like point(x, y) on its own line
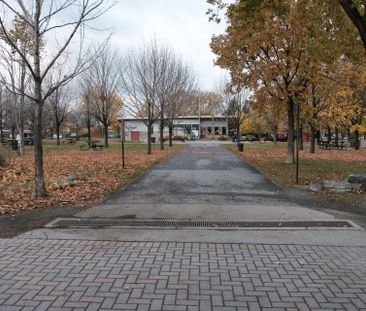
point(54, 136)
point(282, 137)
point(267, 138)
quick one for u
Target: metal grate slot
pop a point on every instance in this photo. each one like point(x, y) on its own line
point(213, 224)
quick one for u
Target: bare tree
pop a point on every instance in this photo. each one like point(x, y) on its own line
point(100, 86)
point(15, 75)
point(164, 88)
point(182, 87)
point(59, 104)
point(236, 109)
point(141, 75)
point(62, 20)
point(2, 112)
point(84, 109)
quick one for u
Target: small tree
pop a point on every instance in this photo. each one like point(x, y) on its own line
point(59, 104)
point(43, 20)
point(236, 111)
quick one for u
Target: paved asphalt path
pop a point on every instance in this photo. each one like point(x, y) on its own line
point(205, 181)
point(146, 269)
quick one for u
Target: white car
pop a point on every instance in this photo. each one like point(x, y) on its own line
point(54, 136)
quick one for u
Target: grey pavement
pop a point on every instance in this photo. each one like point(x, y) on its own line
point(189, 269)
point(106, 275)
point(205, 181)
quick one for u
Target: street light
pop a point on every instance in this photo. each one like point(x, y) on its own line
point(123, 143)
point(297, 141)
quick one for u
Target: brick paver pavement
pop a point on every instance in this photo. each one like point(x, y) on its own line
point(105, 275)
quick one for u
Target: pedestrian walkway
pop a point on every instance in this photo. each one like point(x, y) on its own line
point(105, 275)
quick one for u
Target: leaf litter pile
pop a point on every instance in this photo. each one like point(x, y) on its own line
point(72, 177)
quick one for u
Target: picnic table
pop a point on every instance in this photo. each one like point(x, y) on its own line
point(92, 144)
point(71, 140)
point(328, 145)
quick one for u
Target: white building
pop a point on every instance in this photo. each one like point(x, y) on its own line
point(200, 126)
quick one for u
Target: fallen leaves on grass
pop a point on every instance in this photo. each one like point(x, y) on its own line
point(96, 173)
point(281, 154)
point(314, 167)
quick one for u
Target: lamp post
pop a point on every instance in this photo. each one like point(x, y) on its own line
point(123, 143)
point(297, 141)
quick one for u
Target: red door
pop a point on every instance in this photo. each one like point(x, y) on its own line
point(135, 136)
point(203, 133)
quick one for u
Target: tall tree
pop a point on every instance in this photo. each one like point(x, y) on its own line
point(141, 73)
point(237, 110)
point(267, 52)
point(43, 20)
point(102, 81)
point(59, 104)
point(175, 95)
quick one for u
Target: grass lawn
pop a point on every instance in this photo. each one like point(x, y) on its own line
point(98, 173)
point(323, 165)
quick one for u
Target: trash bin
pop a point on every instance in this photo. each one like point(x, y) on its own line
point(241, 147)
point(14, 144)
point(152, 139)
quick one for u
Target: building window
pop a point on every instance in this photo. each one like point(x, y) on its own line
point(209, 130)
point(216, 130)
point(223, 130)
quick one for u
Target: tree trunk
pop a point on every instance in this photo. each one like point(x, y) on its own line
point(38, 149)
point(89, 129)
point(58, 133)
point(161, 134)
point(106, 135)
point(357, 140)
point(149, 139)
point(21, 140)
point(312, 139)
point(301, 140)
point(170, 136)
point(238, 137)
point(275, 129)
point(318, 136)
point(291, 132)
point(329, 135)
point(21, 108)
point(336, 131)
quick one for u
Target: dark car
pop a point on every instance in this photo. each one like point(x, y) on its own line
point(267, 138)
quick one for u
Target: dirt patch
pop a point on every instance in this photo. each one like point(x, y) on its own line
point(12, 225)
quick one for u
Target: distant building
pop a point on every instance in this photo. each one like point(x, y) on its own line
point(200, 126)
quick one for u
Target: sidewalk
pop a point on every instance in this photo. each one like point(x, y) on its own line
point(101, 275)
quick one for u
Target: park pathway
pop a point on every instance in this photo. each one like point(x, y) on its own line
point(103, 268)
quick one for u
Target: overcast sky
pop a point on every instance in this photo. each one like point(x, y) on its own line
point(181, 24)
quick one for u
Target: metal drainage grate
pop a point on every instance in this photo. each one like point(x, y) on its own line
point(146, 223)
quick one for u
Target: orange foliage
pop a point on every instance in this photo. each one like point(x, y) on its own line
point(98, 173)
